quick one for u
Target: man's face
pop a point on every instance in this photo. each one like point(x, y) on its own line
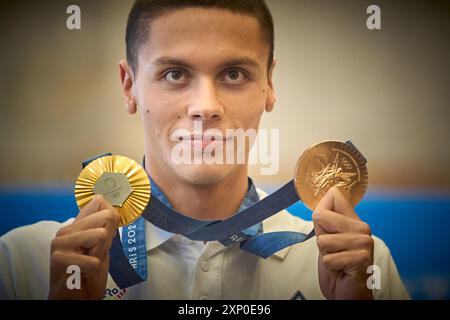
point(206, 65)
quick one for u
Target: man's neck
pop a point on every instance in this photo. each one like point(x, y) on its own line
point(204, 202)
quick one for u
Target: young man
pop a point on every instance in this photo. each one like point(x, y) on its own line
point(209, 62)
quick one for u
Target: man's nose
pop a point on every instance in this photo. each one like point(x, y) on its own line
point(205, 104)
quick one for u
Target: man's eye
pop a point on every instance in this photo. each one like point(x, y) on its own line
point(175, 76)
point(234, 75)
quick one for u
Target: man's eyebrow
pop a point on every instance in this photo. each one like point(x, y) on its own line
point(170, 61)
point(242, 61)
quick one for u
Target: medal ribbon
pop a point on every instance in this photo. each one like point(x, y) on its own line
point(128, 257)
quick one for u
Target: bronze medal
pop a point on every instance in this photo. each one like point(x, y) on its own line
point(328, 164)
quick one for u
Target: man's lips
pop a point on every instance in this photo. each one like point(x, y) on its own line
point(201, 142)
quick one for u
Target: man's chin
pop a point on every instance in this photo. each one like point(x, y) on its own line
point(203, 174)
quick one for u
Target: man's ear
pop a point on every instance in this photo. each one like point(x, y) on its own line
point(270, 97)
point(127, 81)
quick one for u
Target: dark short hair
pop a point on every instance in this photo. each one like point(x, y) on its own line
point(143, 11)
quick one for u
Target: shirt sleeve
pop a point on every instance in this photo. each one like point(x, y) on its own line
point(9, 270)
point(25, 261)
point(390, 285)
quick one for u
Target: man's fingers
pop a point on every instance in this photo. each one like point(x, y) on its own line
point(95, 241)
point(327, 201)
point(332, 243)
point(342, 204)
point(335, 201)
point(327, 221)
point(98, 203)
point(348, 261)
point(106, 218)
point(88, 265)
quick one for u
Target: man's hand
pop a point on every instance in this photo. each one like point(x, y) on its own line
point(84, 243)
point(345, 248)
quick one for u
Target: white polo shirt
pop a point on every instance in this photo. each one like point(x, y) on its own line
point(179, 268)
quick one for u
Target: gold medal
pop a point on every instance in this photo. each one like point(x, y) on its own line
point(120, 180)
point(328, 164)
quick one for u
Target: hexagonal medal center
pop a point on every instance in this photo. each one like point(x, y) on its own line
point(114, 187)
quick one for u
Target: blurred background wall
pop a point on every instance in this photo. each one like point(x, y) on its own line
point(387, 90)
